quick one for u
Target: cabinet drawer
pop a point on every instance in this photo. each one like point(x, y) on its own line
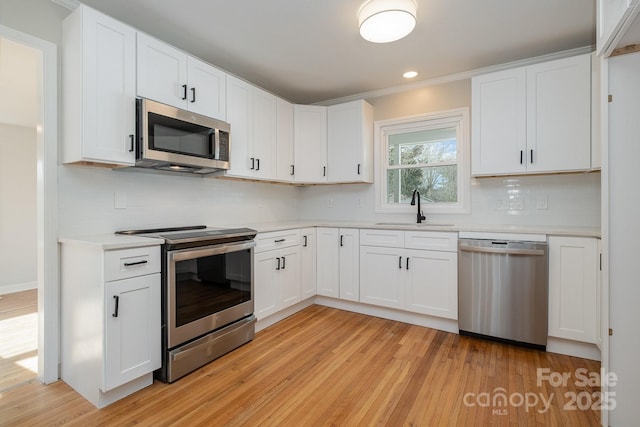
point(385, 238)
point(277, 239)
point(431, 240)
point(126, 263)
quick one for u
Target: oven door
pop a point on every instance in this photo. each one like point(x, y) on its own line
point(207, 288)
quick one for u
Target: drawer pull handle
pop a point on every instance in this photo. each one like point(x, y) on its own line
point(115, 312)
point(279, 240)
point(131, 264)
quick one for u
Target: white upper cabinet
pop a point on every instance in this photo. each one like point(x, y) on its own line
point(99, 64)
point(498, 117)
point(252, 114)
point(285, 169)
point(350, 142)
point(559, 115)
point(170, 76)
point(533, 119)
point(310, 141)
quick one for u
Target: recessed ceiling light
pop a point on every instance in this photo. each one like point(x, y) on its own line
point(383, 21)
point(410, 74)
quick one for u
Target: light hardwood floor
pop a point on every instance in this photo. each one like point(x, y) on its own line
point(324, 366)
point(18, 338)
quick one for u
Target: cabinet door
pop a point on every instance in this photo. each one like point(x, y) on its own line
point(132, 329)
point(498, 141)
point(289, 277)
point(559, 115)
point(431, 285)
point(207, 90)
point(308, 263)
point(162, 72)
point(381, 272)
point(108, 86)
point(310, 141)
point(266, 293)
point(285, 169)
point(349, 275)
point(264, 133)
point(328, 262)
point(573, 269)
point(239, 116)
point(350, 142)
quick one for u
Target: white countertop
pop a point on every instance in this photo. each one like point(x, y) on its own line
point(111, 241)
point(511, 229)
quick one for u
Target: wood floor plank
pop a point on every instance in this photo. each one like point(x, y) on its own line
point(324, 366)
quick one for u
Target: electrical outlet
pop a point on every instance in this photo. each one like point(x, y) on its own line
point(516, 203)
point(330, 202)
point(359, 202)
point(541, 202)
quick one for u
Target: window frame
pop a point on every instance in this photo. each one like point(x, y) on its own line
point(458, 118)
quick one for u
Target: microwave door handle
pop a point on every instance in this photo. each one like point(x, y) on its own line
point(214, 143)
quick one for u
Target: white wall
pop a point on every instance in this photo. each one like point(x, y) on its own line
point(17, 208)
point(87, 201)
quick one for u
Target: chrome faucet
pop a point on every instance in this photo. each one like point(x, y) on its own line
point(421, 216)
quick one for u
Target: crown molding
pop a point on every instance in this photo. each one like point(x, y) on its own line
point(458, 76)
point(69, 4)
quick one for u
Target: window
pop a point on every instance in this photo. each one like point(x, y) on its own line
point(429, 153)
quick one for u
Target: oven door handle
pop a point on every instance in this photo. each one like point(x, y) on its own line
point(185, 254)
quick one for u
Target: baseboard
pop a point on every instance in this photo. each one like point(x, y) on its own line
point(282, 314)
point(573, 348)
point(442, 324)
point(18, 287)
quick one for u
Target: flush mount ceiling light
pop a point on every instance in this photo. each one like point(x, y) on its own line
point(384, 21)
point(410, 74)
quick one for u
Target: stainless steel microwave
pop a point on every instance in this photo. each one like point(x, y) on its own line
point(172, 139)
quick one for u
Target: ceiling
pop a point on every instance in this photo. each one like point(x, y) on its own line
point(19, 66)
point(309, 51)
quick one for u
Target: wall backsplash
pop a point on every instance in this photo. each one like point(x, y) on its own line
point(91, 201)
point(88, 198)
point(571, 200)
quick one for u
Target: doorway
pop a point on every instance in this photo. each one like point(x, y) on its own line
point(44, 124)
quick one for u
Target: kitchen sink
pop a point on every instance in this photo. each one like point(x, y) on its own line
point(413, 224)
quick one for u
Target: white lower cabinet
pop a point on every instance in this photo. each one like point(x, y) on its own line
point(110, 319)
point(131, 313)
point(573, 279)
point(420, 281)
point(337, 263)
point(277, 280)
point(308, 263)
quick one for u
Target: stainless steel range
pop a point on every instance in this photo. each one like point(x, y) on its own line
point(207, 295)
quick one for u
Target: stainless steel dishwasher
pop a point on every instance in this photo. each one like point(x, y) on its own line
point(503, 290)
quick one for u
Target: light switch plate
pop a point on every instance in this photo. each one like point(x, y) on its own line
point(120, 200)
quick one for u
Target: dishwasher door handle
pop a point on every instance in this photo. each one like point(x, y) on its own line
point(470, 248)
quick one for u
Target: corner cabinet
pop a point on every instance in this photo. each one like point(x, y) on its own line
point(110, 319)
point(410, 270)
point(533, 119)
point(350, 142)
point(573, 288)
point(310, 142)
point(262, 129)
point(98, 89)
point(166, 74)
point(308, 263)
point(338, 274)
